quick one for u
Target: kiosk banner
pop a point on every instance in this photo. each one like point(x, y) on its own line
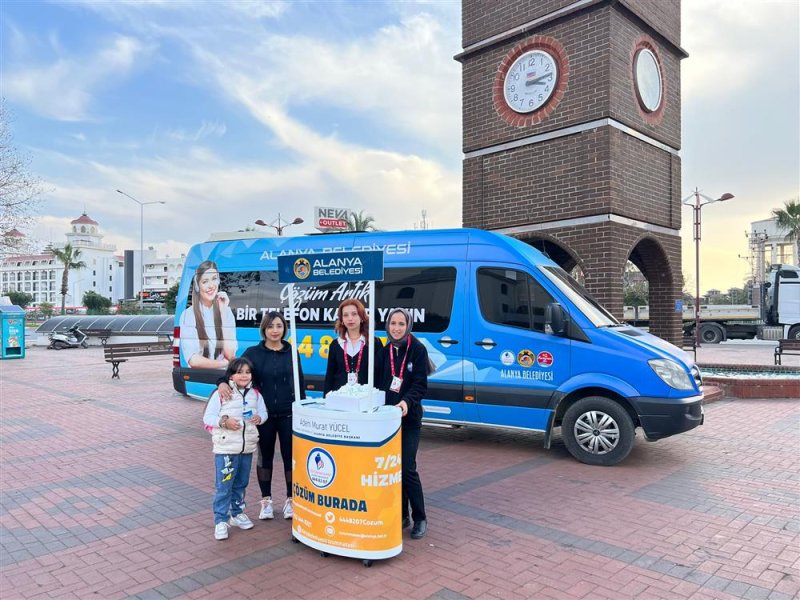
point(331, 266)
point(347, 480)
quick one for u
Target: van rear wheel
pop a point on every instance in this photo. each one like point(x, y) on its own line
point(598, 431)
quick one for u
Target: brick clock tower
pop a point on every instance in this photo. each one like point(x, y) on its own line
point(572, 131)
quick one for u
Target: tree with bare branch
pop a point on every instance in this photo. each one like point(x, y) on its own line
point(20, 191)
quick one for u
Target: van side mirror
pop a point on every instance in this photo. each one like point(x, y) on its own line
point(555, 319)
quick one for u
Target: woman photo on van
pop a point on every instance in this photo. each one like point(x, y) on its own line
point(273, 376)
point(348, 355)
point(403, 375)
point(208, 329)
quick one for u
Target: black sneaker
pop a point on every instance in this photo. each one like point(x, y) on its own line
point(406, 522)
point(420, 527)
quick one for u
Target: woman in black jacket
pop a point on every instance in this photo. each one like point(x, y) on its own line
point(348, 356)
point(272, 375)
point(403, 375)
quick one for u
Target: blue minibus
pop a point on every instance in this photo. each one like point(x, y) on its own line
point(516, 341)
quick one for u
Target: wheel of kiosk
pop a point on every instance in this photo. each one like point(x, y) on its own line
point(323, 554)
point(295, 540)
point(367, 562)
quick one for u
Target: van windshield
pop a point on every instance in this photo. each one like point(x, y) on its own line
point(573, 290)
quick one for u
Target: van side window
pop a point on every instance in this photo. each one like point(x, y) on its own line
point(426, 291)
point(512, 298)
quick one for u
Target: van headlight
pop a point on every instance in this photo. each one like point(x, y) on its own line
point(671, 373)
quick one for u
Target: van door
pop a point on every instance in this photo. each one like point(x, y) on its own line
point(516, 364)
point(435, 295)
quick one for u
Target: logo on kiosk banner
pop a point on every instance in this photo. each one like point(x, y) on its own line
point(320, 467)
point(302, 268)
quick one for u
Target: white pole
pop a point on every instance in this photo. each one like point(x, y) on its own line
point(141, 257)
point(295, 369)
point(371, 351)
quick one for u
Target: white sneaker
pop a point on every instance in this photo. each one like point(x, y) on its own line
point(266, 509)
point(221, 531)
point(242, 521)
point(288, 511)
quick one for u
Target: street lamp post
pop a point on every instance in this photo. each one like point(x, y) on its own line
point(700, 200)
point(280, 224)
point(141, 243)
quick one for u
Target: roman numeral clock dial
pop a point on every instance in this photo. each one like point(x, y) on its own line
point(530, 81)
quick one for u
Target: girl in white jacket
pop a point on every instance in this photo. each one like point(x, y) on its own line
point(234, 432)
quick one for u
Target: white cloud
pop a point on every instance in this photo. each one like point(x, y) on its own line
point(64, 89)
point(401, 76)
point(259, 9)
point(206, 129)
point(389, 80)
point(733, 44)
point(204, 193)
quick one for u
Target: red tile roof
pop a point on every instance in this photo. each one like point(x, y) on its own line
point(84, 219)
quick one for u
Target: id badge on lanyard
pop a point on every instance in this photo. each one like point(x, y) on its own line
point(352, 377)
point(396, 383)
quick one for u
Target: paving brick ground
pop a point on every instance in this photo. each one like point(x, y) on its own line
point(106, 491)
point(744, 352)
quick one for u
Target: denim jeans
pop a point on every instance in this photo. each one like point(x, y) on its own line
point(232, 473)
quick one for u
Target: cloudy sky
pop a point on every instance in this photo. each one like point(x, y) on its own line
point(234, 111)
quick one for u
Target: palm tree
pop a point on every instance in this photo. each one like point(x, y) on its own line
point(71, 258)
point(788, 219)
point(360, 222)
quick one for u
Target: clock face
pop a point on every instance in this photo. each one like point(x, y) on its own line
point(530, 81)
point(647, 76)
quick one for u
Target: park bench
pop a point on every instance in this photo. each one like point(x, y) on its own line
point(120, 353)
point(786, 347)
point(101, 333)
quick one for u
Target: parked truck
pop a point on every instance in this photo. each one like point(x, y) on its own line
point(780, 307)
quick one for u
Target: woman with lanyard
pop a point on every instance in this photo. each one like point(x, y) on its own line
point(403, 375)
point(347, 356)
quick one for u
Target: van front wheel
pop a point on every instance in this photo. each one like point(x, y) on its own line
point(598, 431)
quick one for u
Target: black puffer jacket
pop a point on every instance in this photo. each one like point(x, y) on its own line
point(272, 375)
point(415, 379)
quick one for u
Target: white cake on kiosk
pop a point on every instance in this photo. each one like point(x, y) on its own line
point(354, 397)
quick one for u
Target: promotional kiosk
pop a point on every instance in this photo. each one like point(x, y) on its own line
point(346, 464)
point(12, 331)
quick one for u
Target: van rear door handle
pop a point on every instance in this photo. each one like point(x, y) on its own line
point(447, 341)
point(486, 343)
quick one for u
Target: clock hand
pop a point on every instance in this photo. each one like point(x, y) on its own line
point(538, 80)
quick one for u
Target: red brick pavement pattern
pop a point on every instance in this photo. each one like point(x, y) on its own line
point(106, 490)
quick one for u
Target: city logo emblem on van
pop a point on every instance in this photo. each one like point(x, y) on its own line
point(545, 359)
point(302, 268)
point(526, 358)
point(507, 358)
